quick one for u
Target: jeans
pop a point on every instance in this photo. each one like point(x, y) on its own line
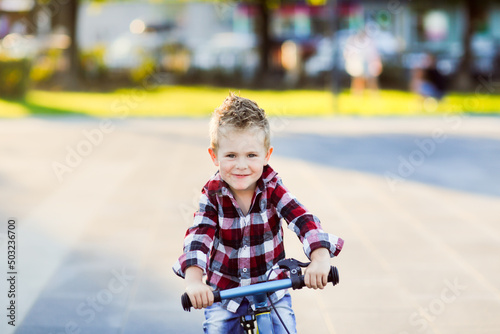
point(221, 321)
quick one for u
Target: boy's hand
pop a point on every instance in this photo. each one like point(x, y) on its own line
point(199, 293)
point(316, 273)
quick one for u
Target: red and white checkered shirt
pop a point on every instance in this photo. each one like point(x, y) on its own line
point(234, 249)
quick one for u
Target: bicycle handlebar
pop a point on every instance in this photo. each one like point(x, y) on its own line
point(296, 282)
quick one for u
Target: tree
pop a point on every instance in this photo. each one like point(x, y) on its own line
point(264, 35)
point(262, 31)
point(474, 11)
point(262, 26)
point(464, 78)
point(68, 16)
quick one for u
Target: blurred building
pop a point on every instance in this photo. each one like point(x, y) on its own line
point(220, 40)
point(15, 26)
point(402, 31)
point(440, 31)
point(405, 31)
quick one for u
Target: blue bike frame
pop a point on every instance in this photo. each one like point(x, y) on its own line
point(263, 315)
point(259, 291)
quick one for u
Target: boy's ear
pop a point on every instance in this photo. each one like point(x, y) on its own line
point(269, 152)
point(213, 155)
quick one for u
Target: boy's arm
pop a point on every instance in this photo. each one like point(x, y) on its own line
point(316, 273)
point(199, 293)
point(199, 239)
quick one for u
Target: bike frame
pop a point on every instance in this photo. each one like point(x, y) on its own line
point(263, 315)
point(259, 291)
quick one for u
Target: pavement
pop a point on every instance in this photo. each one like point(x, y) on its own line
point(101, 208)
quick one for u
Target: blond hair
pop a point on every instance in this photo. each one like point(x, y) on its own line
point(241, 114)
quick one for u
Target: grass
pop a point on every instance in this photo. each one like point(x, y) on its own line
point(180, 101)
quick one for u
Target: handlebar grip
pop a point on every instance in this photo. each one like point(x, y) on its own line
point(186, 302)
point(333, 276)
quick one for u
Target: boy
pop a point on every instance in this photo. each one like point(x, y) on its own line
point(237, 237)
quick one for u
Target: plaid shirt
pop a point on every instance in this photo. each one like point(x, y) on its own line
point(234, 249)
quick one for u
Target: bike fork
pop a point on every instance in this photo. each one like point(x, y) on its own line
point(248, 323)
point(261, 316)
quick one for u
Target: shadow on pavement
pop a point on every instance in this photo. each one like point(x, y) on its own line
point(100, 292)
point(467, 164)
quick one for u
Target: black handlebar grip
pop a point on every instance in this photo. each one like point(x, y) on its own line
point(216, 296)
point(333, 276)
point(186, 302)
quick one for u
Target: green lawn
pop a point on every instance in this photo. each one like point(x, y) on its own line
point(179, 101)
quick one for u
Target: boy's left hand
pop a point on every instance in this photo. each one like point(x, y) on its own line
point(316, 273)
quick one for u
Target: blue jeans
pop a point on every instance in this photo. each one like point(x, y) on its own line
point(221, 321)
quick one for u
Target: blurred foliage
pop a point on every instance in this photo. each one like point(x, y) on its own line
point(146, 67)
point(92, 62)
point(14, 78)
point(45, 65)
point(176, 58)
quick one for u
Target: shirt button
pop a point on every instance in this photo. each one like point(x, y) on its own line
point(244, 270)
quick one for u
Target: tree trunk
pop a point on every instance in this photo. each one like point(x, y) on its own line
point(66, 15)
point(74, 62)
point(262, 26)
point(464, 80)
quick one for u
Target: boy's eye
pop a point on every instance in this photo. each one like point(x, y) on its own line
point(252, 155)
point(230, 156)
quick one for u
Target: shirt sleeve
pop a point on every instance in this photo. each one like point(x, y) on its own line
point(199, 238)
point(306, 225)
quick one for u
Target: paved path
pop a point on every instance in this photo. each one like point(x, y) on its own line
point(101, 210)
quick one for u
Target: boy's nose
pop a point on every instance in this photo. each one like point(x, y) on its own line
point(241, 163)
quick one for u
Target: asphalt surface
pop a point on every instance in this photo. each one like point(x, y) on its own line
point(101, 208)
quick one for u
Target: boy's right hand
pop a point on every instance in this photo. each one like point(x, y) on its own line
point(199, 293)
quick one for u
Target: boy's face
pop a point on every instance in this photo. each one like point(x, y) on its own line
point(241, 158)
